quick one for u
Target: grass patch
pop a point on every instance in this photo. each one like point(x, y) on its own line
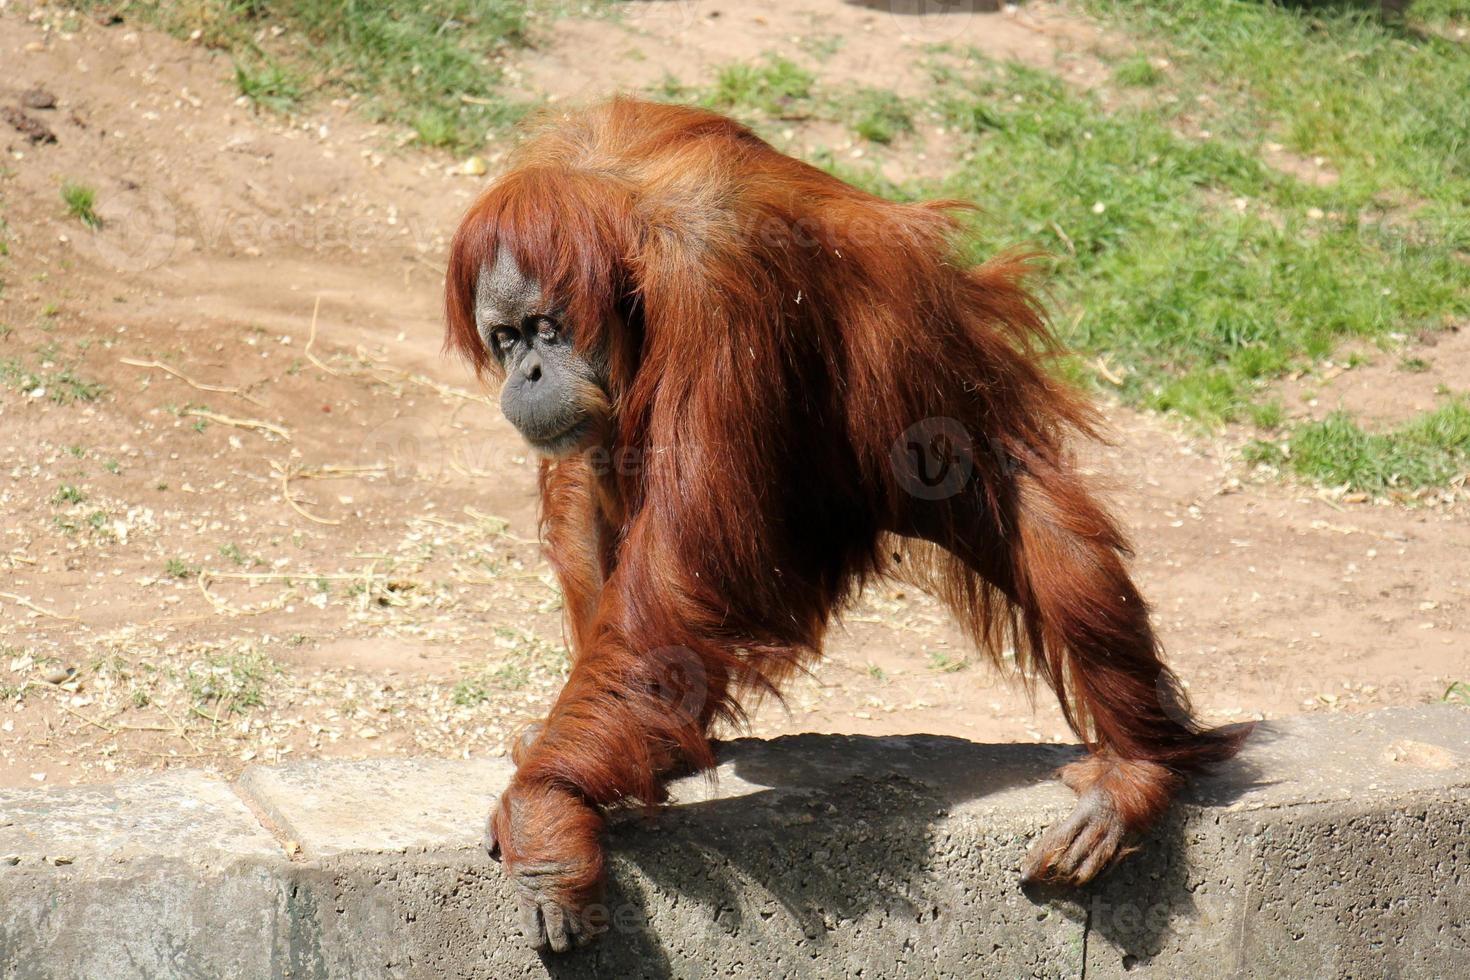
point(235, 554)
point(80, 201)
point(178, 568)
point(1137, 71)
point(1385, 105)
point(1429, 449)
point(268, 84)
point(879, 115)
point(430, 67)
point(67, 494)
point(775, 86)
point(66, 386)
point(1202, 270)
point(63, 386)
point(946, 663)
point(525, 657)
point(478, 688)
point(227, 683)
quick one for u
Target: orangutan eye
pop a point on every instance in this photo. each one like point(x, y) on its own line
point(547, 329)
point(503, 338)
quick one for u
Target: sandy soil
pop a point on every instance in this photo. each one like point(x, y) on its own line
point(289, 527)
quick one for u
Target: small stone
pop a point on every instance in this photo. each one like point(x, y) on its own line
point(474, 167)
point(37, 98)
point(10, 859)
point(61, 859)
point(58, 674)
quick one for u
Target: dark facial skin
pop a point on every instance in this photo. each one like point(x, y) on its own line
point(546, 381)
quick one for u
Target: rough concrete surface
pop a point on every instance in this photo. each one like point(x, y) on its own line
point(1334, 846)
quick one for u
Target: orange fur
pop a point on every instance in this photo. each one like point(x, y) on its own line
point(768, 334)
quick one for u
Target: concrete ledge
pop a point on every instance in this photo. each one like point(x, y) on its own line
point(1334, 846)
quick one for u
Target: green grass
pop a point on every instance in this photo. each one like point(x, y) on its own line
point(227, 683)
point(178, 568)
point(478, 688)
point(775, 86)
point(523, 656)
point(1429, 449)
point(430, 67)
point(1387, 106)
point(268, 84)
point(946, 663)
point(67, 494)
point(80, 201)
point(62, 386)
point(879, 115)
point(1154, 264)
point(1138, 71)
point(1383, 249)
point(235, 554)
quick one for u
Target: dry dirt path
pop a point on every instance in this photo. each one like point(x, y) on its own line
point(251, 546)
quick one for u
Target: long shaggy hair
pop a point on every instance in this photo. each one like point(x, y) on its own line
point(789, 360)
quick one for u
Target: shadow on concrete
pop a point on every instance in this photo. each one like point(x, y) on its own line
point(1138, 906)
point(877, 852)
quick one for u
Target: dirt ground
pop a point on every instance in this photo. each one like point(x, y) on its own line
point(288, 527)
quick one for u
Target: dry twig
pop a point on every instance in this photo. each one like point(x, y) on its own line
point(222, 389)
point(224, 608)
point(254, 424)
point(23, 601)
point(285, 473)
point(311, 340)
